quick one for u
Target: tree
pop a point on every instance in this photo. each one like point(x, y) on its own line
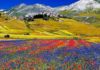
point(45, 17)
point(0, 14)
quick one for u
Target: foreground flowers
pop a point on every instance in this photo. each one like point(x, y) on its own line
point(49, 55)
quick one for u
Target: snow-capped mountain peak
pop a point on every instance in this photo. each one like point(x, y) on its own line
point(81, 5)
point(24, 9)
point(84, 4)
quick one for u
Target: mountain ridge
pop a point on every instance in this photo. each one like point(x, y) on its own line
point(24, 9)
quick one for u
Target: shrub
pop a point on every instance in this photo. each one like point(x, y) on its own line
point(7, 36)
point(27, 34)
point(0, 14)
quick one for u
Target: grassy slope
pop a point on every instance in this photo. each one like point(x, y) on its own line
point(12, 26)
point(66, 24)
point(41, 28)
point(89, 13)
point(97, 23)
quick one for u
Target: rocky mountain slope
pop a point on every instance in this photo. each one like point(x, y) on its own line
point(24, 9)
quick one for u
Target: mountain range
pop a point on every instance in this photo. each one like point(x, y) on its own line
point(24, 9)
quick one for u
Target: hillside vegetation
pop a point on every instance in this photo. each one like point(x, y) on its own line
point(11, 25)
point(41, 28)
point(89, 16)
point(70, 25)
point(96, 17)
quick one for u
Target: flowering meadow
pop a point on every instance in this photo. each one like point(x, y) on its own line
point(49, 54)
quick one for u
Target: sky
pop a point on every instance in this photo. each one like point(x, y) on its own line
point(7, 4)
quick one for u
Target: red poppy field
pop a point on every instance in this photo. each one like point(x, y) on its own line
point(49, 55)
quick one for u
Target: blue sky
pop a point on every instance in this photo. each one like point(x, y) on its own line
point(7, 4)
